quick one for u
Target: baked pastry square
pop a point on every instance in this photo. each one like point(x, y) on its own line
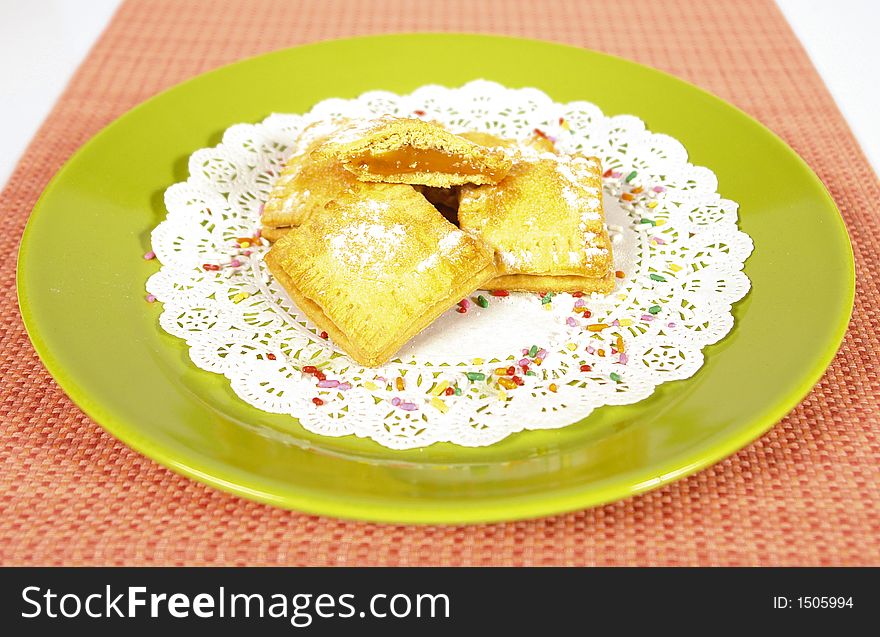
point(376, 267)
point(413, 151)
point(308, 181)
point(546, 223)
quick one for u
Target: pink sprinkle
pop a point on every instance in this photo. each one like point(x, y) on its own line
point(591, 349)
point(658, 189)
point(525, 351)
point(524, 361)
point(262, 205)
point(671, 325)
point(408, 406)
point(464, 303)
point(624, 359)
point(248, 253)
point(542, 353)
point(615, 323)
point(259, 232)
point(149, 298)
point(658, 241)
point(328, 383)
point(647, 317)
point(344, 386)
point(381, 379)
point(580, 303)
point(571, 322)
point(395, 401)
point(616, 174)
point(235, 263)
point(149, 255)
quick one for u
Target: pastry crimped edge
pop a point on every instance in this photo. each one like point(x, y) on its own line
point(552, 283)
point(374, 359)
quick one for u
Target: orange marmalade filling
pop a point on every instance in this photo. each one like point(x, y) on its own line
point(419, 160)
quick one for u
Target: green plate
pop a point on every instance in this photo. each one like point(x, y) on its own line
point(81, 288)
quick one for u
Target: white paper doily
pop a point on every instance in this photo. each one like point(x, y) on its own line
point(677, 245)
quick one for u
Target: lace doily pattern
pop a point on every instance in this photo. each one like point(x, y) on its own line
point(508, 362)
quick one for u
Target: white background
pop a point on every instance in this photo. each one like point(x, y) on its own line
point(43, 41)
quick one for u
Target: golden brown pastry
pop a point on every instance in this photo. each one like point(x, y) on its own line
point(376, 267)
point(412, 151)
point(535, 142)
point(546, 223)
point(309, 180)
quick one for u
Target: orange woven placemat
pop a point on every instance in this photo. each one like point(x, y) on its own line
point(805, 493)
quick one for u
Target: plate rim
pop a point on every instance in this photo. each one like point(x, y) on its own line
point(434, 512)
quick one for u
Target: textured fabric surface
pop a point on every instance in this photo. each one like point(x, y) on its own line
point(805, 493)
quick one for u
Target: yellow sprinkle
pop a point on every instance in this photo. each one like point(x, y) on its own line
point(597, 327)
point(547, 306)
point(502, 394)
point(675, 267)
point(439, 389)
point(652, 204)
point(439, 405)
point(660, 222)
point(501, 371)
point(626, 322)
point(507, 383)
point(571, 347)
point(400, 383)
point(370, 385)
point(552, 387)
point(539, 360)
point(241, 296)
point(477, 361)
point(622, 297)
point(620, 344)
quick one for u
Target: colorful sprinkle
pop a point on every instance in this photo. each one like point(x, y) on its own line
point(210, 267)
point(395, 401)
point(644, 220)
point(400, 383)
point(450, 391)
point(150, 298)
point(607, 173)
point(419, 112)
point(571, 347)
point(149, 255)
point(571, 322)
point(675, 267)
point(344, 386)
point(533, 351)
point(241, 296)
point(439, 405)
point(317, 401)
point(601, 353)
point(552, 387)
point(626, 322)
point(647, 318)
point(235, 263)
point(627, 197)
point(408, 406)
point(614, 376)
point(657, 277)
point(586, 368)
point(482, 301)
point(530, 373)
point(461, 310)
point(475, 376)
point(538, 360)
point(652, 204)
point(370, 385)
point(616, 174)
point(328, 383)
point(324, 335)
point(441, 387)
point(619, 274)
point(577, 295)
point(464, 303)
point(500, 293)
point(654, 309)
point(597, 327)
point(458, 391)
point(637, 190)
point(658, 189)
point(309, 369)
point(621, 347)
point(631, 176)
point(659, 241)
point(624, 359)
point(271, 356)
point(671, 325)
point(320, 375)
point(500, 371)
point(523, 362)
point(507, 383)
point(517, 380)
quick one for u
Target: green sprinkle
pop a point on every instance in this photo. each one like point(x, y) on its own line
point(546, 300)
point(657, 277)
point(475, 376)
point(631, 176)
point(651, 221)
point(458, 391)
point(615, 377)
point(533, 350)
point(482, 302)
point(654, 309)
point(530, 373)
